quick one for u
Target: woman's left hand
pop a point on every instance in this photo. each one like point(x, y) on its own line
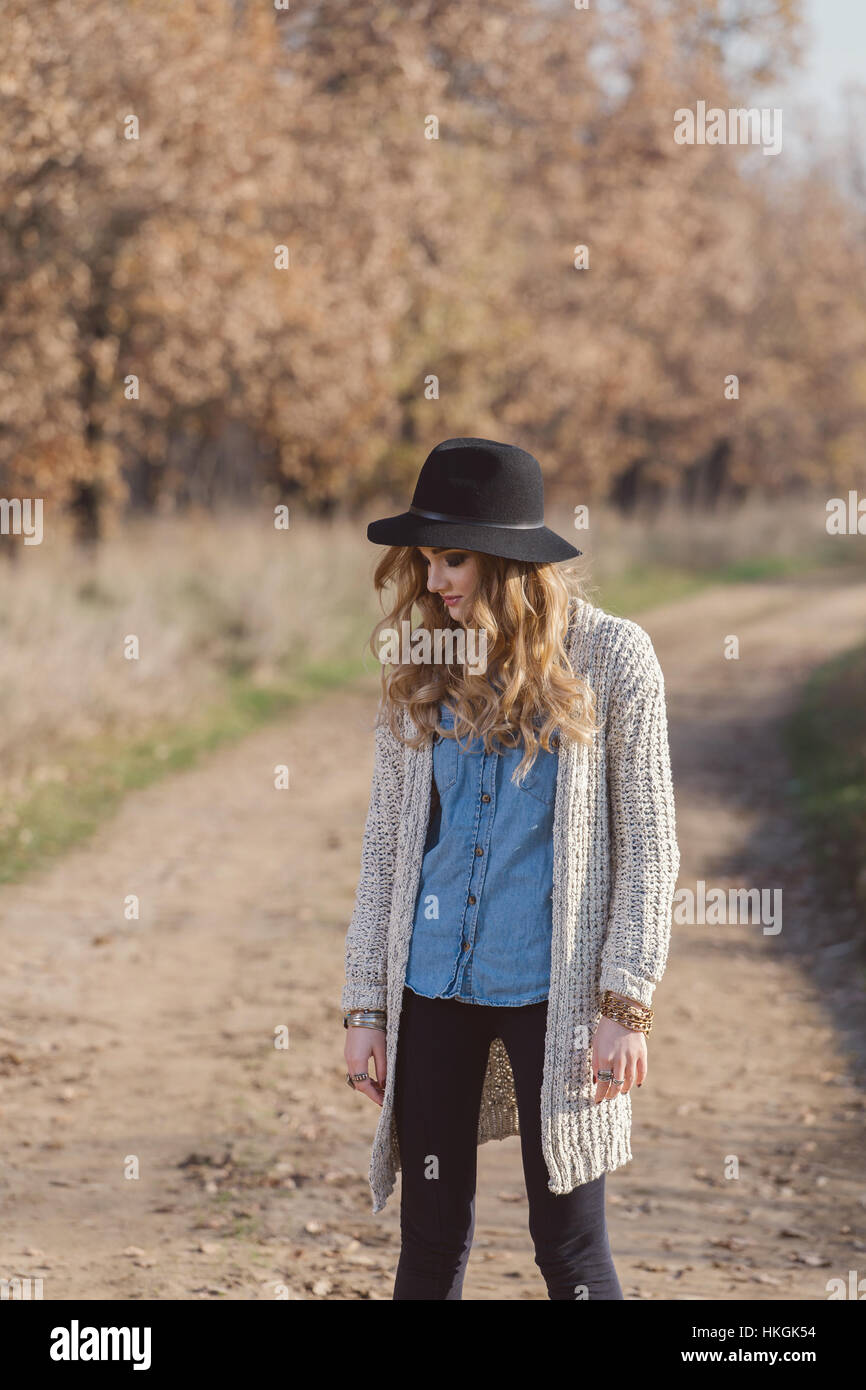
point(620, 1050)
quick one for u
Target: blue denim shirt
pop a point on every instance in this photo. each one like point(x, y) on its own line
point(483, 916)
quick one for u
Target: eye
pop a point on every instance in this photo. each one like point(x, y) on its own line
point(452, 561)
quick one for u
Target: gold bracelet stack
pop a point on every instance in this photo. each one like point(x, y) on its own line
point(365, 1018)
point(638, 1017)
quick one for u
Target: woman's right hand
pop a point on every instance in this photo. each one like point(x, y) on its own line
point(361, 1045)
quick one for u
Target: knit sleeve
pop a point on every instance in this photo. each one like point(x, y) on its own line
point(644, 852)
point(367, 935)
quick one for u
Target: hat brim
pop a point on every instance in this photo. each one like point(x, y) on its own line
point(537, 544)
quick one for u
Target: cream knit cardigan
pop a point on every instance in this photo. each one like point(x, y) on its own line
point(615, 868)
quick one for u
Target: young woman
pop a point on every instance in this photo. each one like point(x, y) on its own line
point(518, 868)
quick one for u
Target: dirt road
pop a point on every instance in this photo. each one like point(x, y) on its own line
point(156, 1143)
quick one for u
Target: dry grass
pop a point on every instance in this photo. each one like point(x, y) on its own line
point(826, 740)
point(772, 534)
point(206, 599)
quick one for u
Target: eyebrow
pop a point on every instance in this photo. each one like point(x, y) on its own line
point(439, 549)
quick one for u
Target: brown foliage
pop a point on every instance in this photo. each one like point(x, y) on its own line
point(408, 257)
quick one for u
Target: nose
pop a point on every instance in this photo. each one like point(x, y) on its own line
point(434, 578)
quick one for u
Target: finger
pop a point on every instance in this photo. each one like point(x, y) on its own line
point(597, 1063)
point(603, 1088)
point(626, 1072)
point(371, 1090)
point(357, 1062)
point(380, 1058)
point(600, 1085)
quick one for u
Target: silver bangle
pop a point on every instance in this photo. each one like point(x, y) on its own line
point(364, 1018)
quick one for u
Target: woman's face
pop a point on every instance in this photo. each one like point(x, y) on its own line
point(453, 574)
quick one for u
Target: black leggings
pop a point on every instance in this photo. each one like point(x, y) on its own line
point(441, 1061)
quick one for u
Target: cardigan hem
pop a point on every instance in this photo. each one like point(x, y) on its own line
point(577, 1171)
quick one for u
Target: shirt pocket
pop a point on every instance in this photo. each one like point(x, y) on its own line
point(540, 780)
point(444, 762)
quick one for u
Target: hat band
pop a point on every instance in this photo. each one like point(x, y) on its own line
point(475, 521)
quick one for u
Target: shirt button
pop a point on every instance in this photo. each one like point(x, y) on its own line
point(485, 797)
point(478, 849)
point(466, 945)
point(471, 898)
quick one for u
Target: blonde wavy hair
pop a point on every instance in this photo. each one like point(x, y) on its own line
point(529, 688)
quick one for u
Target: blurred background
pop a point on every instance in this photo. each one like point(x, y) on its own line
point(237, 274)
point(164, 385)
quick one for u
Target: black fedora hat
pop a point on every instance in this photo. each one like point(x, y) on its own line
point(479, 495)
